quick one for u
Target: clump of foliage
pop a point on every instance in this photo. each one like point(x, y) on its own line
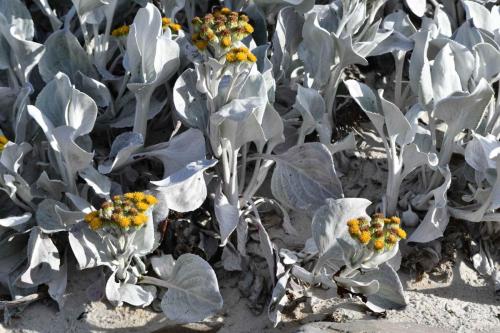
point(123, 120)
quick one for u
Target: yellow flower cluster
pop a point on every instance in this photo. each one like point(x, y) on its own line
point(222, 27)
point(123, 211)
point(240, 54)
point(3, 142)
point(380, 233)
point(120, 31)
point(166, 22)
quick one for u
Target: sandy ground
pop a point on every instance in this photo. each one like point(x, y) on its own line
point(459, 302)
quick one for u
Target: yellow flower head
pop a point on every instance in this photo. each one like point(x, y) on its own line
point(378, 244)
point(241, 56)
point(391, 239)
point(230, 57)
point(401, 233)
point(142, 206)
point(226, 41)
point(175, 27)
point(120, 31)
point(222, 28)
point(243, 18)
point(381, 232)
point(123, 211)
point(365, 237)
point(96, 223)
point(123, 221)
point(201, 44)
point(251, 57)
point(138, 196)
point(88, 218)
point(197, 21)
point(3, 142)
point(225, 11)
point(165, 21)
point(248, 28)
point(395, 220)
point(129, 195)
point(139, 220)
point(354, 230)
point(150, 199)
point(353, 222)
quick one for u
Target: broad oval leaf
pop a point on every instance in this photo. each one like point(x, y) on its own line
point(122, 149)
point(60, 104)
point(390, 294)
point(227, 215)
point(121, 292)
point(193, 292)
point(418, 7)
point(305, 177)
point(64, 54)
point(19, 18)
point(43, 259)
point(189, 103)
point(185, 190)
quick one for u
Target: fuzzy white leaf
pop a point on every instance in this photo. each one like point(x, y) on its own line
point(390, 294)
point(418, 7)
point(227, 215)
point(64, 54)
point(305, 176)
point(189, 103)
point(437, 217)
point(185, 190)
point(163, 265)
point(445, 79)
point(99, 183)
point(43, 259)
point(193, 292)
point(87, 247)
point(121, 292)
point(122, 148)
point(18, 223)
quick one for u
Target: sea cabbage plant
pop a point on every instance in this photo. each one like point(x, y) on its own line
point(356, 254)
point(130, 128)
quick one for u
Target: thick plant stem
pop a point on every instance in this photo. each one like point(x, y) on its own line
point(444, 159)
point(67, 19)
point(392, 194)
point(253, 181)
point(143, 99)
point(230, 173)
point(259, 180)
point(243, 171)
point(233, 196)
point(394, 181)
point(399, 59)
point(23, 301)
point(331, 92)
point(304, 275)
point(155, 282)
